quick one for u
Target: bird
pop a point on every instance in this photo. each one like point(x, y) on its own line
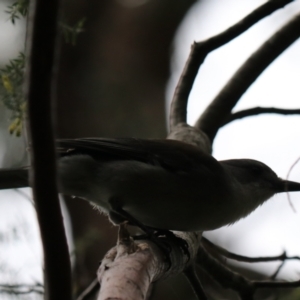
point(162, 184)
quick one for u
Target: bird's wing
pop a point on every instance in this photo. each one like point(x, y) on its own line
point(170, 154)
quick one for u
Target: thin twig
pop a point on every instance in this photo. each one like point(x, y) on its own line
point(222, 274)
point(257, 111)
point(39, 91)
point(191, 275)
point(21, 289)
point(274, 275)
point(275, 284)
point(230, 279)
point(287, 177)
point(201, 49)
point(220, 108)
point(90, 290)
point(221, 251)
point(13, 178)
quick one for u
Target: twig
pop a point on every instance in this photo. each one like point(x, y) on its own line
point(287, 177)
point(222, 274)
point(191, 275)
point(21, 289)
point(274, 275)
point(219, 109)
point(257, 111)
point(201, 49)
point(39, 91)
point(275, 284)
point(90, 290)
point(13, 178)
point(229, 279)
point(221, 251)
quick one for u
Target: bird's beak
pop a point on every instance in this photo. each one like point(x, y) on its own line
point(288, 186)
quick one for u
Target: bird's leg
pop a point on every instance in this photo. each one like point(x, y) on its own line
point(158, 236)
point(167, 234)
point(118, 215)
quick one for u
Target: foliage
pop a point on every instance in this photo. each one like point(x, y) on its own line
point(12, 75)
point(18, 9)
point(71, 33)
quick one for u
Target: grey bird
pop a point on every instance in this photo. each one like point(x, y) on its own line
point(163, 184)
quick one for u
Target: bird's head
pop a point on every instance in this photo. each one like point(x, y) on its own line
point(257, 180)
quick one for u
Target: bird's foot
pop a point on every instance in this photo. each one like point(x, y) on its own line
point(162, 238)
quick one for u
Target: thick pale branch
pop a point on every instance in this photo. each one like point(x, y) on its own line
point(135, 265)
point(259, 110)
point(200, 50)
point(39, 91)
point(220, 108)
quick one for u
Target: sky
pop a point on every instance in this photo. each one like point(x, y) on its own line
point(20, 249)
point(271, 139)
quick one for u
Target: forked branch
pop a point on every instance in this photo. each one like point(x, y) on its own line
point(229, 279)
point(220, 108)
point(199, 52)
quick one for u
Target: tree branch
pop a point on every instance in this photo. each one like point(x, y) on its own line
point(257, 111)
point(39, 86)
point(221, 251)
point(90, 290)
point(219, 109)
point(13, 178)
point(274, 275)
point(136, 265)
point(222, 274)
point(200, 50)
point(21, 289)
point(229, 279)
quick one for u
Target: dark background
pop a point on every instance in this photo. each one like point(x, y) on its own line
point(112, 83)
